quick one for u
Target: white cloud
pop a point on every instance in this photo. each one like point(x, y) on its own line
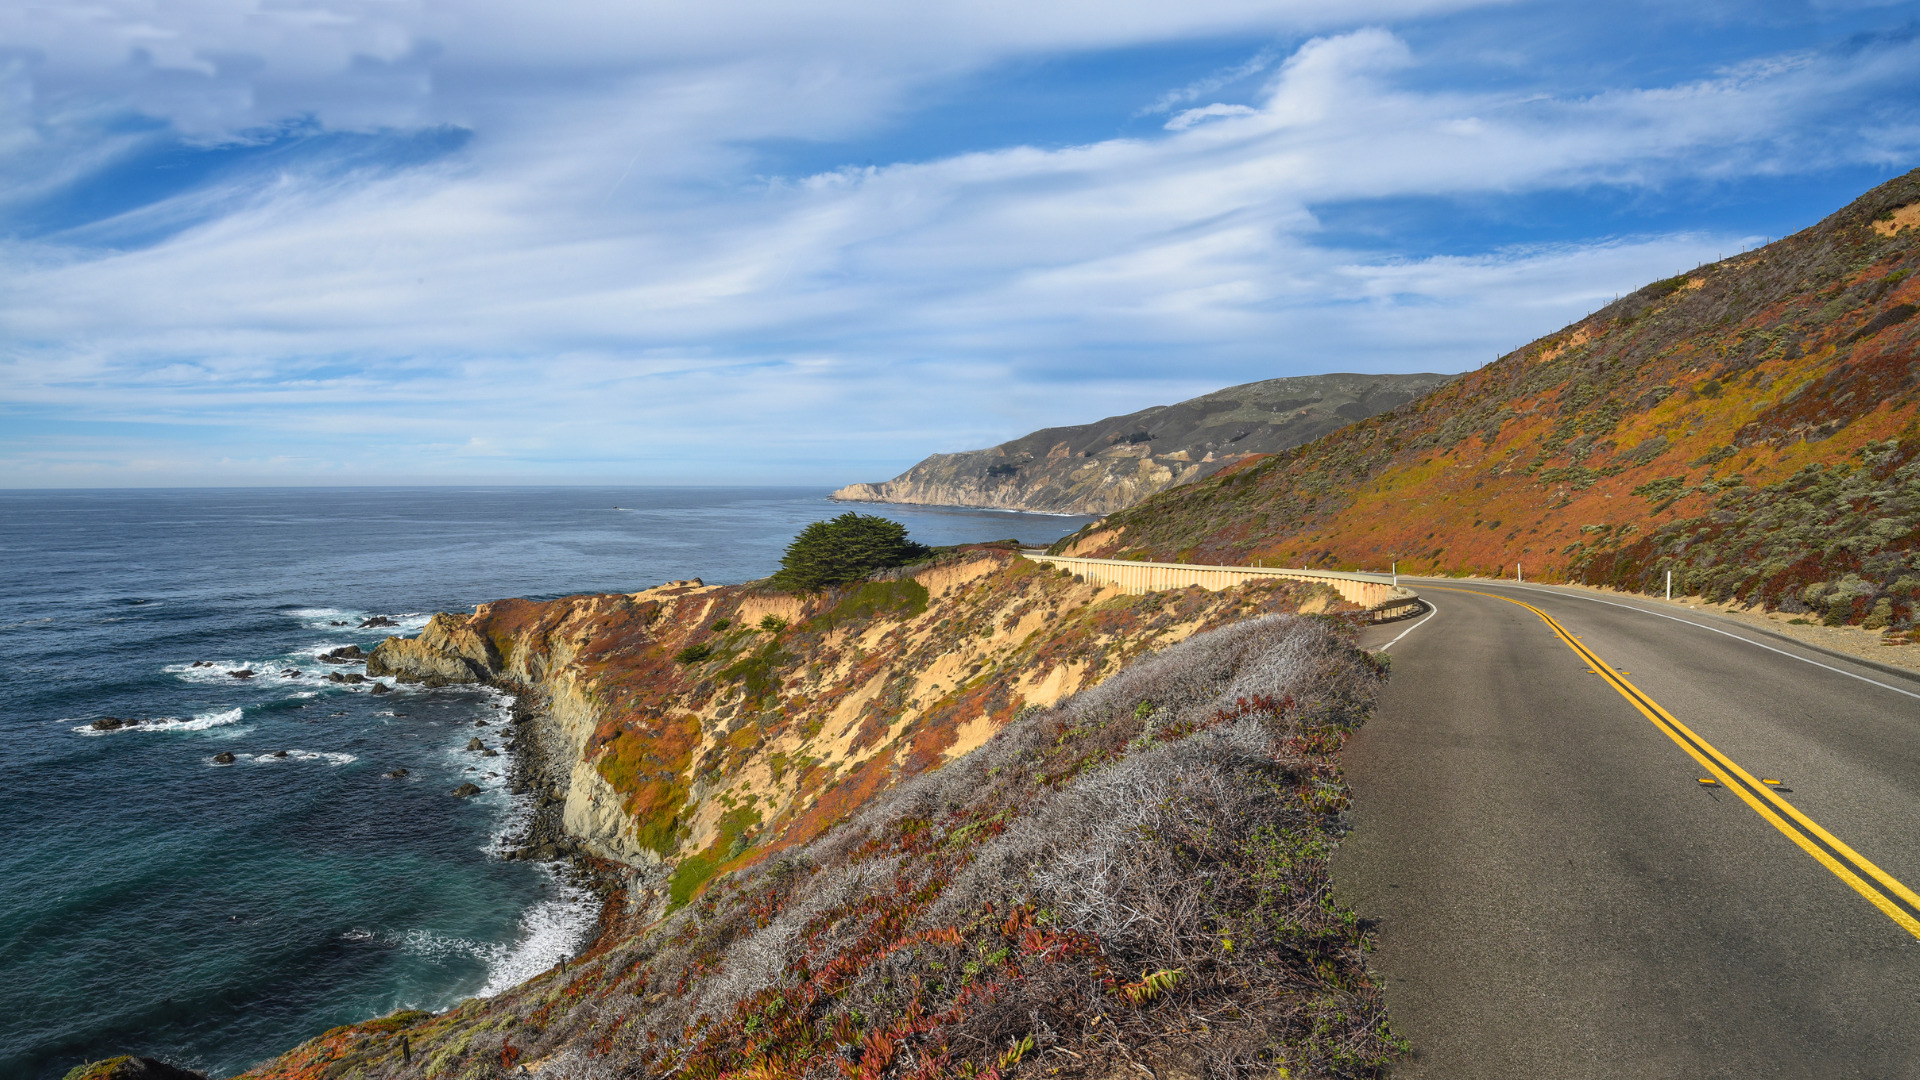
point(600, 284)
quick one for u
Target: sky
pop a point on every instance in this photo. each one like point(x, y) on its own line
point(745, 241)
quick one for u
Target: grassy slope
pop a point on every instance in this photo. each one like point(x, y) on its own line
point(1135, 875)
point(1750, 426)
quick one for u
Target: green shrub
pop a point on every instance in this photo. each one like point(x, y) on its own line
point(845, 549)
point(772, 624)
point(721, 624)
point(876, 598)
point(693, 654)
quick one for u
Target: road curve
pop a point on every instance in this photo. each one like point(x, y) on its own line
point(1558, 895)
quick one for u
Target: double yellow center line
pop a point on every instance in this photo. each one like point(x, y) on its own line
point(1880, 888)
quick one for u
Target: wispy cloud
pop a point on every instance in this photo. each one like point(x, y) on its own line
point(592, 276)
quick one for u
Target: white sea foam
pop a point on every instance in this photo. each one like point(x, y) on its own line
point(551, 930)
point(200, 722)
point(323, 619)
point(327, 756)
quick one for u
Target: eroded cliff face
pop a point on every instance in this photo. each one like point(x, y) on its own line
point(711, 726)
point(1111, 464)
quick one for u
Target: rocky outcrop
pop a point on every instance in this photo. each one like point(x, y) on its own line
point(129, 1067)
point(1111, 464)
point(447, 651)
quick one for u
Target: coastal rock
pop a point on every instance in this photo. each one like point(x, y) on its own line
point(346, 654)
point(128, 1067)
point(108, 723)
point(202, 663)
point(290, 673)
point(398, 774)
point(381, 688)
point(278, 753)
point(475, 744)
point(465, 791)
point(489, 753)
point(224, 757)
point(243, 673)
point(349, 677)
point(447, 652)
point(378, 620)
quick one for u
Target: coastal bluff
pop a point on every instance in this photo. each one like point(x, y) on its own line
point(1111, 464)
point(707, 727)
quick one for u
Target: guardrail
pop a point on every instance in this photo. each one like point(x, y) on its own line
point(1377, 593)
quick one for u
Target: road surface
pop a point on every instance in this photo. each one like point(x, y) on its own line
point(1560, 897)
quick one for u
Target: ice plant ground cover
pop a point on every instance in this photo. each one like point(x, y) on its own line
point(1138, 874)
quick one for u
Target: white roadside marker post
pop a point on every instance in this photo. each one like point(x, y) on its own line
point(1669, 584)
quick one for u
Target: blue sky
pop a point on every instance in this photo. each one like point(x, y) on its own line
point(405, 241)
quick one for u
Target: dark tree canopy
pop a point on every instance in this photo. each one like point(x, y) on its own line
point(847, 548)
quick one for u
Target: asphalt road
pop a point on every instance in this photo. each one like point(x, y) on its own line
point(1559, 897)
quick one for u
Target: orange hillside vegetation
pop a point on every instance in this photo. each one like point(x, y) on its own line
point(1749, 425)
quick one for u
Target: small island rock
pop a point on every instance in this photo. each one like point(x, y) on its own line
point(466, 791)
point(243, 673)
point(397, 774)
point(475, 744)
point(224, 757)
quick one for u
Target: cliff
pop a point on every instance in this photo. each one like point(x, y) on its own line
point(1134, 880)
point(1750, 426)
point(710, 726)
point(1111, 464)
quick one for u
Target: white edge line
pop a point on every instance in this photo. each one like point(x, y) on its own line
point(1433, 609)
point(1704, 626)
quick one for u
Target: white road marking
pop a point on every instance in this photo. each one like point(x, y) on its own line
point(1434, 609)
point(1704, 626)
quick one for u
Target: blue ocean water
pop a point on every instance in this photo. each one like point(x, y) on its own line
point(154, 902)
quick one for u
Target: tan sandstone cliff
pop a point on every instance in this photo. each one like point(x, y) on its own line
point(694, 762)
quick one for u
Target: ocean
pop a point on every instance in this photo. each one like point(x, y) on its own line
point(155, 902)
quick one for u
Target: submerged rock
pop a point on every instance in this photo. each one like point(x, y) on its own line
point(108, 723)
point(378, 620)
point(398, 773)
point(290, 673)
point(243, 673)
point(278, 753)
point(224, 757)
point(465, 791)
point(203, 663)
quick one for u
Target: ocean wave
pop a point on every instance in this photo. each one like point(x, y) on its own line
point(199, 722)
point(551, 930)
point(324, 618)
point(328, 756)
point(434, 945)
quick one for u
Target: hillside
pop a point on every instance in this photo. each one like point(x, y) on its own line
point(1750, 426)
point(1110, 464)
point(1134, 879)
point(704, 727)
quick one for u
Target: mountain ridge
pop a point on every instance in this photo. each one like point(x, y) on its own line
point(1112, 463)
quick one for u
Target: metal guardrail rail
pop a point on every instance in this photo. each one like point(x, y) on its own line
point(1377, 593)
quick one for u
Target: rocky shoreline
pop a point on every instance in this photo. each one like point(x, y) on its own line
point(541, 769)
